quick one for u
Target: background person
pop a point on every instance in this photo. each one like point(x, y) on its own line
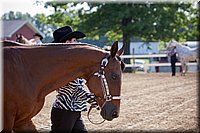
point(71, 98)
point(173, 60)
point(37, 39)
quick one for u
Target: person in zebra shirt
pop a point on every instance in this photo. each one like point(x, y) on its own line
point(72, 98)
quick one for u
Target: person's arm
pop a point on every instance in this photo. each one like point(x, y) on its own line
point(85, 95)
point(170, 53)
point(91, 99)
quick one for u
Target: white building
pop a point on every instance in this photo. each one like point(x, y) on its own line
point(143, 47)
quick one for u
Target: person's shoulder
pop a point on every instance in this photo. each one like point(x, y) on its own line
point(39, 42)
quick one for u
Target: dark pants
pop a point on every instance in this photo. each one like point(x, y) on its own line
point(173, 64)
point(66, 121)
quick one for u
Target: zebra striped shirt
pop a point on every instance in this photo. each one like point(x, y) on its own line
point(73, 96)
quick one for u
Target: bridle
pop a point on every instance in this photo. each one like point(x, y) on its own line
point(104, 85)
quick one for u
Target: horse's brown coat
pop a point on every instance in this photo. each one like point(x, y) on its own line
point(30, 73)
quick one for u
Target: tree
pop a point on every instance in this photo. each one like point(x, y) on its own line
point(64, 14)
point(121, 21)
point(16, 16)
point(124, 21)
point(41, 22)
point(150, 22)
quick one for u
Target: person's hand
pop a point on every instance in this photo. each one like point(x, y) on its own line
point(92, 100)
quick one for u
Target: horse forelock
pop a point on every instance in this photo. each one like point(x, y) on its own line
point(122, 63)
point(120, 60)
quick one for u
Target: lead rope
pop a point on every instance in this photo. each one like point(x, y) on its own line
point(91, 107)
point(98, 108)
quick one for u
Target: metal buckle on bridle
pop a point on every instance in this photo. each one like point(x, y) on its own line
point(108, 98)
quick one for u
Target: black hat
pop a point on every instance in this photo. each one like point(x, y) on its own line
point(64, 33)
point(37, 34)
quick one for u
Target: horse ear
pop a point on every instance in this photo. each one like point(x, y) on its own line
point(114, 49)
point(121, 51)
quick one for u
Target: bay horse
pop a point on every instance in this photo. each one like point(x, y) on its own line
point(22, 39)
point(6, 43)
point(32, 72)
point(185, 54)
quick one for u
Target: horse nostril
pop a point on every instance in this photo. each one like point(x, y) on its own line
point(115, 114)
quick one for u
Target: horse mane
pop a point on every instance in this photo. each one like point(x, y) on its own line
point(180, 44)
point(184, 46)
point(71, 45)
point(13, 43)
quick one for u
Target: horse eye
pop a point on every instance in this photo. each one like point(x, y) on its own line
point(114, 76)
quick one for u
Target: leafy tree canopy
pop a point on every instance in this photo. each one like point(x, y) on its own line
point(120, 21)
point(150, 22)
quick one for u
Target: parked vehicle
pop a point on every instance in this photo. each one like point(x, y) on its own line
point(139, 65)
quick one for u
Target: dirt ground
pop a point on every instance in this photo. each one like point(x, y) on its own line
point(150, 102)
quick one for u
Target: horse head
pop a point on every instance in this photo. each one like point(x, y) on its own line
point(20, 38)
point(172, 44)
point(106, 83)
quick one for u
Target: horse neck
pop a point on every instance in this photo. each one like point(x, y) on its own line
point(58, 66)
point(179, 47)
point(182, 49)
point(23, 40)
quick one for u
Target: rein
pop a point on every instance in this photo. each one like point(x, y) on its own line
point(104, 85)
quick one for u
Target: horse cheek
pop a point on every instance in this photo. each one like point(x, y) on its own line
point(94, 86)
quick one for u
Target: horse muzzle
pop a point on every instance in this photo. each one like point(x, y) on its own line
point(109, 111)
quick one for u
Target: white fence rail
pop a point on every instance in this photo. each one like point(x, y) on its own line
point(144, 56)
point(161, 64)
point(152, 64)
